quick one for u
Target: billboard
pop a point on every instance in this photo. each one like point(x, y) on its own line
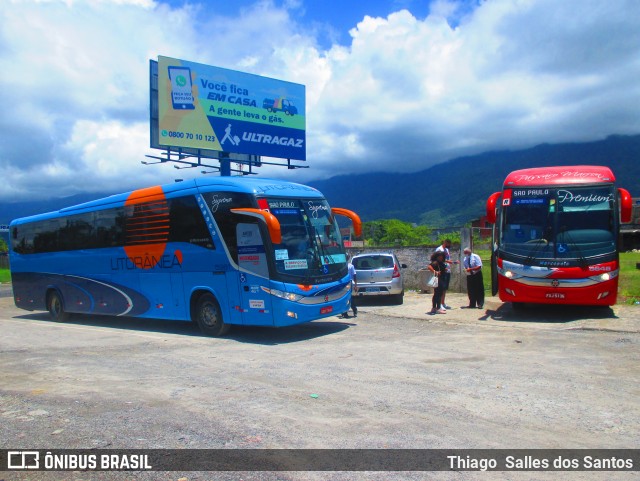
point(216, 109)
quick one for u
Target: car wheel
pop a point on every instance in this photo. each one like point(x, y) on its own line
point(398, 299)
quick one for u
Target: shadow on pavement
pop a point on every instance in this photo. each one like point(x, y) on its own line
point(246, 334)
point(548, 313)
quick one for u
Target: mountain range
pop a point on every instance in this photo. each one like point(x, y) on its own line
point(449, 194)
point(455, 192)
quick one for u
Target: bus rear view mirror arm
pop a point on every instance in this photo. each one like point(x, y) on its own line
point(355, 218)
point(272, 223)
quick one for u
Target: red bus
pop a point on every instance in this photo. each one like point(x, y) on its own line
point(555, 236)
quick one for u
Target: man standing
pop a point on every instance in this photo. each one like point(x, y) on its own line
point(445, 277)
point(475, 285)
point(354, 288)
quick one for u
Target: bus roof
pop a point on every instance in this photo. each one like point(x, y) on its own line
point(565, 175)
point(248, 185)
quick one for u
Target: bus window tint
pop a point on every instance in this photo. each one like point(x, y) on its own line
point(187, 224)
point(310, 239)
point(325, 236)
point(528, 226)
point(585, 222)
point(573, 222)
point(295, 236)
point(220, 205)
point(109, 228)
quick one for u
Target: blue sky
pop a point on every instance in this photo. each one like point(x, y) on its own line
point(331, 20)
point(390, 86)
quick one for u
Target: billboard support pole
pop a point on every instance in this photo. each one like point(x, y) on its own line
point(225, 164)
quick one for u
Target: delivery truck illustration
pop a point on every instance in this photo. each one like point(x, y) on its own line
point(280, 105)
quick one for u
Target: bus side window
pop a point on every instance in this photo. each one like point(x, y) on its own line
point(77, 232)
point(23, 239)
point(46, 238)
point(187, 223)
point(109, 227)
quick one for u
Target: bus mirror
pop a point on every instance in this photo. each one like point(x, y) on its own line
point(355, 218)
point(626, 205)
point(273, 226)
point(492, 202)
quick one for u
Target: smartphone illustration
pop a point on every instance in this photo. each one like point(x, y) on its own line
point(181, 91)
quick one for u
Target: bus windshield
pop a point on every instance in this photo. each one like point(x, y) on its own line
point(311, 246)
point(572, 223)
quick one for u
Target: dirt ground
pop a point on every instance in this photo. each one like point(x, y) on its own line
point(394, 377)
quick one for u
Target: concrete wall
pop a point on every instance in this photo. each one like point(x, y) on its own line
point(416, 259)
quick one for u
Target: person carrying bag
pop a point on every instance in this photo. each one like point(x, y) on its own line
point(437, 267)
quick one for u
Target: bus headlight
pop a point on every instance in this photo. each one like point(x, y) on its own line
point(289, 296)
point(605, 276)
point(509, 274)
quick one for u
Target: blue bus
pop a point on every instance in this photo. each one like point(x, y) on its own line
point(220, 252)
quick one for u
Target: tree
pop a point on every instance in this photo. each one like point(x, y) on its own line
point(3, 245)
point(454, 237)
point(394, 232)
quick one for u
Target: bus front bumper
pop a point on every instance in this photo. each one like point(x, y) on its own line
point(585, 291)
point(288, 313)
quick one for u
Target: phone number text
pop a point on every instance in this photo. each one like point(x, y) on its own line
point(188, 136)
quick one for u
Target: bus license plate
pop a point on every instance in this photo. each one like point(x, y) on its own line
point(326, 310)
point(555, 295)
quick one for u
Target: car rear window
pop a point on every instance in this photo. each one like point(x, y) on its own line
point(373, 262)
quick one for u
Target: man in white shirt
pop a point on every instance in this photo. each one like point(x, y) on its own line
point(475, 285)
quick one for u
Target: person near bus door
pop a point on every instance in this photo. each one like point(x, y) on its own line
point(475, 285)
point(354, 288)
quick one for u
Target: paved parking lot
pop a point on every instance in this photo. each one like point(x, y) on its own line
point(394, 377)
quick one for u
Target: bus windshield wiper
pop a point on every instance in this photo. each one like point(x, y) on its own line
point(544, 240)
point(582, 261)
point(533, 253)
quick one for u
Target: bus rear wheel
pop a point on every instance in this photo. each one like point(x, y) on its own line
point(208, 316)
point(56, 308)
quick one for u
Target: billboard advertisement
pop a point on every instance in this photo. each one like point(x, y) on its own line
point(212, 108)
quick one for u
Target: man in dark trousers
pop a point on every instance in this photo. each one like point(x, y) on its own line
point(354, 288)
point(475, 285)
point(445, 277)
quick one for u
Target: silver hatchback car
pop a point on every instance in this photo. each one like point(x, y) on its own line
point(379, 274)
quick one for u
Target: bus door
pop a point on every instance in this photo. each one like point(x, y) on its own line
point(255, 304)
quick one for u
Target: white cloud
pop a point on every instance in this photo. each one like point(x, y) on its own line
point(406, 93)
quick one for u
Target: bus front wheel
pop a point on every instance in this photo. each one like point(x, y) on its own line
point(56, 308)
point(208, 316)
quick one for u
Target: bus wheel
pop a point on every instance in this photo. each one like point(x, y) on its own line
point(55, 307)
point(209, 316)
